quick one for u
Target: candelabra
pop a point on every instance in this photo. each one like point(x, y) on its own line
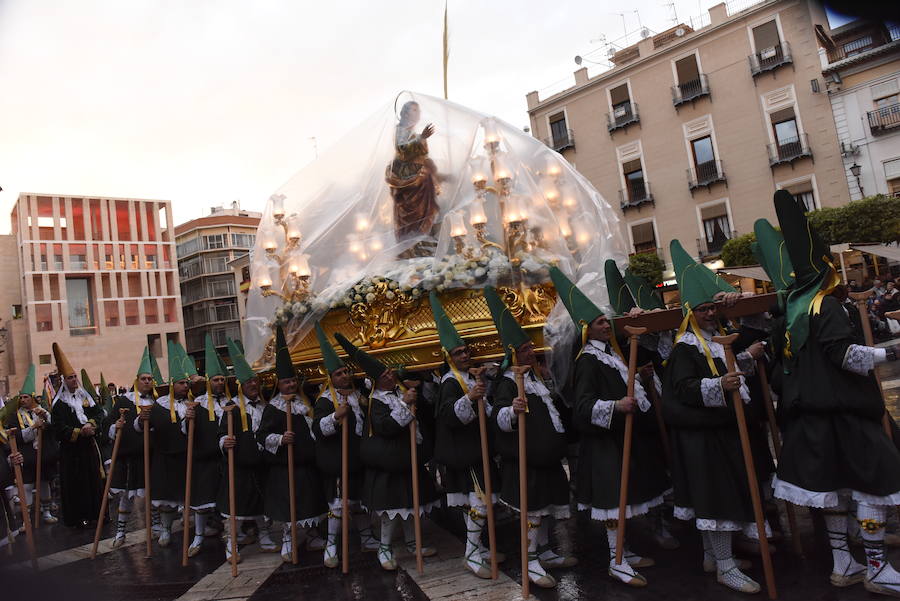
point(295, 286)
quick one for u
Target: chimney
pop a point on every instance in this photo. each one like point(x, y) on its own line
point(645, 47)
point(581, 76)
point(531, 98)
point(718, 14)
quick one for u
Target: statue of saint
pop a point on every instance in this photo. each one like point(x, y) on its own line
point(414, 182)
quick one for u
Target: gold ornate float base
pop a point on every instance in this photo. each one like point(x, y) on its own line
point(406, 335)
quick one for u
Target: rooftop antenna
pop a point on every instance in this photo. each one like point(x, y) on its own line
point(671, 7)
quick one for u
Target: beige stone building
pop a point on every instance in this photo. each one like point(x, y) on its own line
point(209, 291)
point(692, 131)
point(97, 275)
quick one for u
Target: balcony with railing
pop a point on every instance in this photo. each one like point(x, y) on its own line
point(690, 91)
point(769, 59)
point(788, 150)
point(704, 175)
point(710, 248)
point(884, 119)
point(635, 194)
point(561, 141)
point(622, 116)
point(873, 36)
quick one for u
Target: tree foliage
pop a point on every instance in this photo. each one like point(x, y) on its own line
point(737, 251)
point(647, 265)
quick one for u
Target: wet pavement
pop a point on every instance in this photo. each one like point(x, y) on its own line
point(127, 574)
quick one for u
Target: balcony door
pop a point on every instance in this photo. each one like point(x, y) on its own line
point(787, 134)
point(704, 159)
point(634, 180)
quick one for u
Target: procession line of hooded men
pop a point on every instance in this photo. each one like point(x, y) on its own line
point(835, 452)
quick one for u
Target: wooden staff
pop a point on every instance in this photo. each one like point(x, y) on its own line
point(345, 495)
point(109, 476)
point(486, 469)
point(292, 495)
point(860, 298)
point(520, 371)
point(189, 473)
point(37, 477)
point(232, 504)
point(660, 423)
point(414, 464)
point(727, 341)
point(776, 442)
point(148, 525)
point(633, 335)
point(23, 501)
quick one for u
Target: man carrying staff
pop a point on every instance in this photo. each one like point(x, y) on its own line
point(8, 527)
point(166, 419)
point(601, 401)
point(275, 437)
point(708, 473)
point(386, 449)
point(26, 414)
point(75, 419)
point(249, 461)
point(835, 447)
point(458, 440)
point(340, 405)
point(128, 476)
point(548, 486)
point(207, 457)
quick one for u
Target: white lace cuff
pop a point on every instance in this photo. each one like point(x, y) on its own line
point(401, 414)
point(137, 424)
point(112, 432)
point(746, 363)
point(273, 441)
point(506, 419)
point(711, 390)
point(184, 426)
point(464, 410)
point(861, 359)
point(328, 425)
point(222, 444)
point(28, 434)
point(601, 414)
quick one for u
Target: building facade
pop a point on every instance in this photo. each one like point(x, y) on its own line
point(97, 275)
point(861, 68)
point(209, 294)
point(692, 131)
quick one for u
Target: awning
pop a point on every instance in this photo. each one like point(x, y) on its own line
point(750, 271)
point(891, 253)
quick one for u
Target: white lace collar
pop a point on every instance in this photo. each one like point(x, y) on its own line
point(180, 405)
point(594, 349)
point(353, 400)
point(536, 387)
point(466, 376)
point(298, 407)
point(77, 401)
point(203, 404)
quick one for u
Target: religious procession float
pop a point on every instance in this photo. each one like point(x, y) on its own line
point(427, 195)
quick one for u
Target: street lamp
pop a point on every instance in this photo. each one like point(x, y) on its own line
point(854, 171)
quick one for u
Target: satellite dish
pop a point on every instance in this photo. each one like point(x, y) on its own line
point(611, 52)
point(645, 33)
point(680, 32)
point(578, 59)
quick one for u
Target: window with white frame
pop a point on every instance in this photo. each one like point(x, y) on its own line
point(643, 235)
point(892, 175)
point(804, 192)
point(716, 227)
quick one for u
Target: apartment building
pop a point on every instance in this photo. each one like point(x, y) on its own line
point(861, 68)
point(209, 294)
point(694, 128)
point(96, 275)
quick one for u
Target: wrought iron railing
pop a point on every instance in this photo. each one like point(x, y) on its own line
point(635, 194)
point(789, 150)
point(883, 119)
point(769, 59)
point(560, 142)
point(705, 174)
point(623, 116)
point(690, 90)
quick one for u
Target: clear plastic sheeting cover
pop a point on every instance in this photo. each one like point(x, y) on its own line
point(397, 199)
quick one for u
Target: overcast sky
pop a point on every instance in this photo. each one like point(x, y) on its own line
point(207, 101)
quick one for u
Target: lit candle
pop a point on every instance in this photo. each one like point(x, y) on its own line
point(263, 279)
point(479, 172)
point(553, 167)
point(362, 223)
point(353, 243)
point(564, 228)
point(376, 244)
point(551, 193)
point(491, 134)
point(569, 199)
point(514, 210)
point(299, 265)
point(457, 225)
point(293, 228)
point(501, 169)
point(270, 245)
point(582, 236)
point(277, 205)
point(476, 213)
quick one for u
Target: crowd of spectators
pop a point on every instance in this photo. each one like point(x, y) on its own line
point(885, 299)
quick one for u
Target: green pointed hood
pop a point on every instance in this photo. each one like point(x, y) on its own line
point(694, 282)
point(643, 293)
point(157, 375)
point(372, 366)
point(105, 395)
point(450, 338)
point(580, 308)
point(212, 363)
point(284, 367)
point(682, 260)
point(772, 254)
point(28, 384)
point(511, 333)
point(239, 346)
point(620, 298)
point(242, 370)
point(330, 357)
point(814, 272)
point(180, 365)
point(145, 367)
point(87, 384)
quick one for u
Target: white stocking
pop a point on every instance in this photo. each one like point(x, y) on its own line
point(535, 569)
point(836, 526)
point(871, 521)
point(474, 518)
